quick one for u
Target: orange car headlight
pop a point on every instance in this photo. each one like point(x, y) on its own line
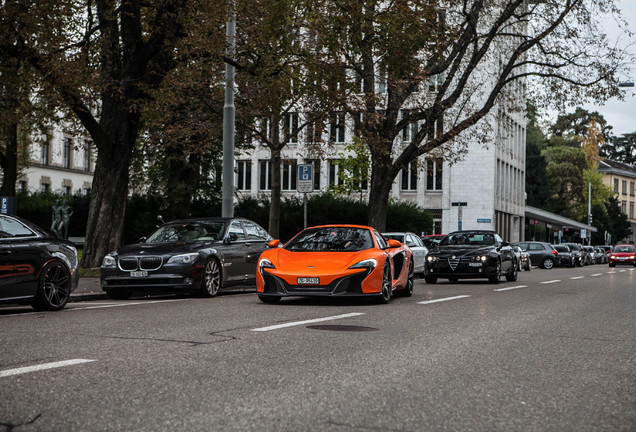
point(366, 264)
point(265, 263)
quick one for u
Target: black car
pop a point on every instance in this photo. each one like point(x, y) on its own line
point(188, 255)
point(577, 251)
point(564, 257)
point(469, 255)
point(36, 267)
point(542, 254)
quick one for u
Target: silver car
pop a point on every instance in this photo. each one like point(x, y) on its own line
point(415, 243)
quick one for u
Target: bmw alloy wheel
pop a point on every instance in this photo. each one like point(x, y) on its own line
point(211, 279)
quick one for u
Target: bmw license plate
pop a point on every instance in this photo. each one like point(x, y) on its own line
point(308, 281)
point(139, 274)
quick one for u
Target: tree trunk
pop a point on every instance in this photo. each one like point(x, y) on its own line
point(274, 208)
point(379, 191)
point(10, 160)
point(108, 205)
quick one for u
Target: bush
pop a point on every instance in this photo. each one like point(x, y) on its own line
point(142, 212)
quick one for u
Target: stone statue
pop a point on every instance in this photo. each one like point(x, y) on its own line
point(61, 217)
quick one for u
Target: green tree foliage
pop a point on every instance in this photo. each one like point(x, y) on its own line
point(621, 148)
point(568, 129)
point(536, 177)
point(565, 167)
point(354, 169)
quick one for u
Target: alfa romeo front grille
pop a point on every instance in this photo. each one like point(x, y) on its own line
point(453, 262)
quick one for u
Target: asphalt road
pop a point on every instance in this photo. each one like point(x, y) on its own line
point(554, 351)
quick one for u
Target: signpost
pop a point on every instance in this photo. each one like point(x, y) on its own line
point(459, 205)
point(305, 184)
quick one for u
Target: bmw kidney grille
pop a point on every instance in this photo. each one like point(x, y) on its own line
point(140, 263)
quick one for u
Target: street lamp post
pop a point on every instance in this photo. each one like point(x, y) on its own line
point(227, 199)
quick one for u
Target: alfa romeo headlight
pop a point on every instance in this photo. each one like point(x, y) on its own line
point(431, 259)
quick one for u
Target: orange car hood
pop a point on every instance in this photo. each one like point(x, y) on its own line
point(316, 263)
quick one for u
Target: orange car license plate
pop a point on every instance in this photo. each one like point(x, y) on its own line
point(308, 281)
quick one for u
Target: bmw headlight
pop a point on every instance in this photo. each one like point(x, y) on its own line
point(109, 261)
point(367, 263)
point(187, 258)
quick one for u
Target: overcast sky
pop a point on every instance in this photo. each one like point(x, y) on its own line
point(621, 114)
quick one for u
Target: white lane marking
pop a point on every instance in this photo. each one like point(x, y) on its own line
point(297, 323)
point(112, 305)
point(621, 271)
point(511, 288)
point(596, 274)
point(27, 369)
point(551, 281)
point(443, 299)
point(577, 277)
point(611, 272)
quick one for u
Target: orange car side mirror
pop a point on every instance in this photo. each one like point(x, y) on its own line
point(394, 243)
point(273, 244)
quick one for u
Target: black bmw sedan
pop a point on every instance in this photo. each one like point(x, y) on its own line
point(469, 255)
point(36, 267)
point(190, 255)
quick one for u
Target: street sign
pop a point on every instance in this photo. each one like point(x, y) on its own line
point(305, 181)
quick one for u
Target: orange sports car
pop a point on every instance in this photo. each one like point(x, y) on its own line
point(335, 260)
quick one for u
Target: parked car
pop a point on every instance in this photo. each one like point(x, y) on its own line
point(622, 254)
point(599, 256)
point(564, 256)
point(189, 255)
point(338, 261)
point(523, 259)
point(416, 245)
point(542, 254)
point(575, 248)
point(36, 267)
point(589, 255)
point(471, 254)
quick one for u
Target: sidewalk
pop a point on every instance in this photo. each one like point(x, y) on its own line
point(88, 288)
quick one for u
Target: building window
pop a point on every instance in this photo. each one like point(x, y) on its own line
point(46, 151)
point(67, 153)
point(264, 130)
point(315, 163)
point(334, 167)
point(244, 175)
point(45, 187)
point(616, 185)
point(410, 130)
point(631, 210)
point(290, 126)
point(263, 175)
point(409, 177)
point(67, 190)
point(624, 207)
point(289, 173)
point(22, 186)
point(337, 127)
point(434, 174)
point(624, 184)
point(314, 128)
point(87, 156)
point(631, 188)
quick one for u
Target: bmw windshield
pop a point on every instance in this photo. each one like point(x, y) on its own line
point(188, 232)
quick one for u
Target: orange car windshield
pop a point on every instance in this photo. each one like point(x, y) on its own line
point(331, 239)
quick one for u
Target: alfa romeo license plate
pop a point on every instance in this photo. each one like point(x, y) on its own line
point(139, 274)
point(308, 281)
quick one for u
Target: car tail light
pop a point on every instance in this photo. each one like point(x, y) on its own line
point(555, 253)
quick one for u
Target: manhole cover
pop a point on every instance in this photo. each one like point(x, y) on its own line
point(334, 327)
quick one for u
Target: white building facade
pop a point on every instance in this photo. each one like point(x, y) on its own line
point(58, 162)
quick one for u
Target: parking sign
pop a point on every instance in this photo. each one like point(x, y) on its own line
point(305, 181)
